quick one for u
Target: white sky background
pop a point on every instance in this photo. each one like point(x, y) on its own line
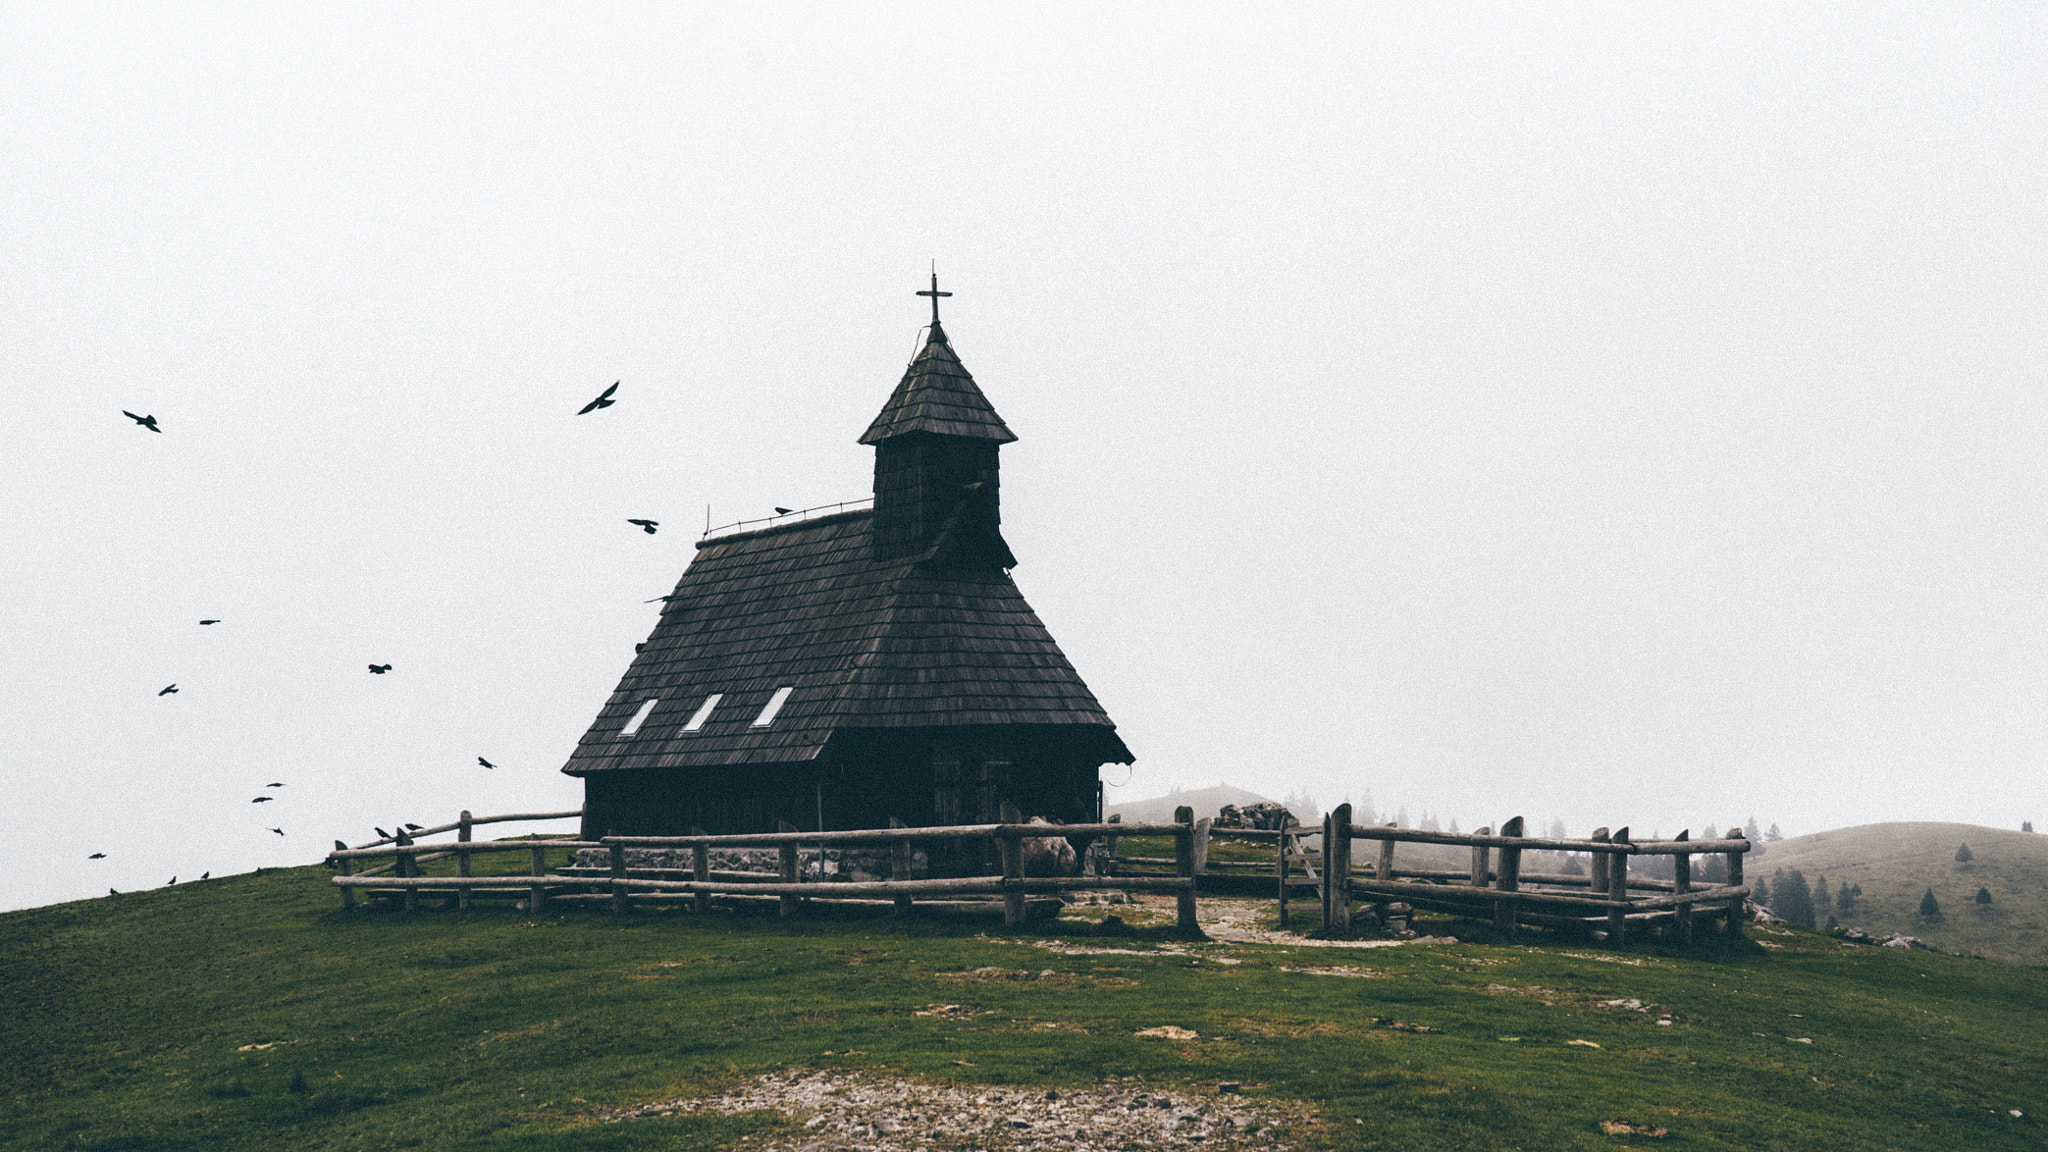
point(1632, 414)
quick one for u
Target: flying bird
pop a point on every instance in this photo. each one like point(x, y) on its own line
point(485, 763)
point(646, 526)
point(148, 422)
point(97, 856)
point(604, 399)
point(784, 511)
point(263, 800)
point(209, 621)
point(379, 669)
point(273, 785)
point(279, 831)
point(168, 691)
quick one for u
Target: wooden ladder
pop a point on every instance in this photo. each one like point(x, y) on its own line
point(1293, 852)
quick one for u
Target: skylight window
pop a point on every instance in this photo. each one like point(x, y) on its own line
point(703, 712)
point(640, 717)
point(775, 704)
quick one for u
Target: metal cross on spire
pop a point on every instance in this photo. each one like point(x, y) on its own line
point(935, 294)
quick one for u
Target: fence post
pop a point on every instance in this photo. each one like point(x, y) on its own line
point(1735, 910)
point(1598, 886)
point(1329, 858)
point(1202, 846)
point(348, 893)
point(786, 861)
point(1681, 875)
point(1337, 869)
point(1184, 867)
point(462, 862)
point(1109, 861)
point(1383, 871)
point(1280, 873)
point(1011, 852)
point(899, 865)
point(1617, 889)
point(1482, 867)
point(537, 894)
point(619, 897)
point(407, 866)
point(700, 871)
point(1510, 878)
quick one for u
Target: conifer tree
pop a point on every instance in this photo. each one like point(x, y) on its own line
point(1963, 854)
point(2026, 825)
point(1774, 834)
point(1760, 891)
point(1823, 900)
point(1795, 899)
point(1929, 908)
point(1983, 895)
point(1845, 899)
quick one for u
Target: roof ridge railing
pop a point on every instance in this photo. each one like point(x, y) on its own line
point(796, 517)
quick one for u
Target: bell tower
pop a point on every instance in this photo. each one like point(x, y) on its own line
point(937, 478)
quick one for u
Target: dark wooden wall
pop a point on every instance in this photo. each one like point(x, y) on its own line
point(920, 776)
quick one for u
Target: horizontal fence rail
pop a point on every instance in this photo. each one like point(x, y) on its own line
point(1603, 898)
point(402, 876)
point(1606, 899)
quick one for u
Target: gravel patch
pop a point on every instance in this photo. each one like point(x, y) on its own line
point(860, 1111)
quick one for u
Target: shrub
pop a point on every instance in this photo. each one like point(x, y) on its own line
point(1983, 895)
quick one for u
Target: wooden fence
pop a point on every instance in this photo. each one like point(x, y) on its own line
point(624, 885)
point(1606, 899)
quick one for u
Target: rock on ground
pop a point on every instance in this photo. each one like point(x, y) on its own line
point(871, 1113)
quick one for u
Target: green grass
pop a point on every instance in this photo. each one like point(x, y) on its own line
point(1895, 863)
point(125, 1021)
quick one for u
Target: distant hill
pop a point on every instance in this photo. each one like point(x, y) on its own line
point(1896, 863)
point(1205, 802)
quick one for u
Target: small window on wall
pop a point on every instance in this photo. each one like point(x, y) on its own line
point(639, 717)
point(774, 705)
point(703, 712)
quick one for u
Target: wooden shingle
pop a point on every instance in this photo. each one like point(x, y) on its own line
point(863, 643)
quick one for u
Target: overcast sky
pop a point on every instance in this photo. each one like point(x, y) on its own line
point(1631, 414)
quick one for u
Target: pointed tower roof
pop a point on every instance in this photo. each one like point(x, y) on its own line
point(937, 395)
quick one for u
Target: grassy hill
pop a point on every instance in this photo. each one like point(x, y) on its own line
point(1205, 802)
point(251, 1013)
point(1895, 864)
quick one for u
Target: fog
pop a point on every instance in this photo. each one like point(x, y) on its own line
point(1623, 414)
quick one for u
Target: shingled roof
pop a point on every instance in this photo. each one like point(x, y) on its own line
point(937, 395)
point(862, 643)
